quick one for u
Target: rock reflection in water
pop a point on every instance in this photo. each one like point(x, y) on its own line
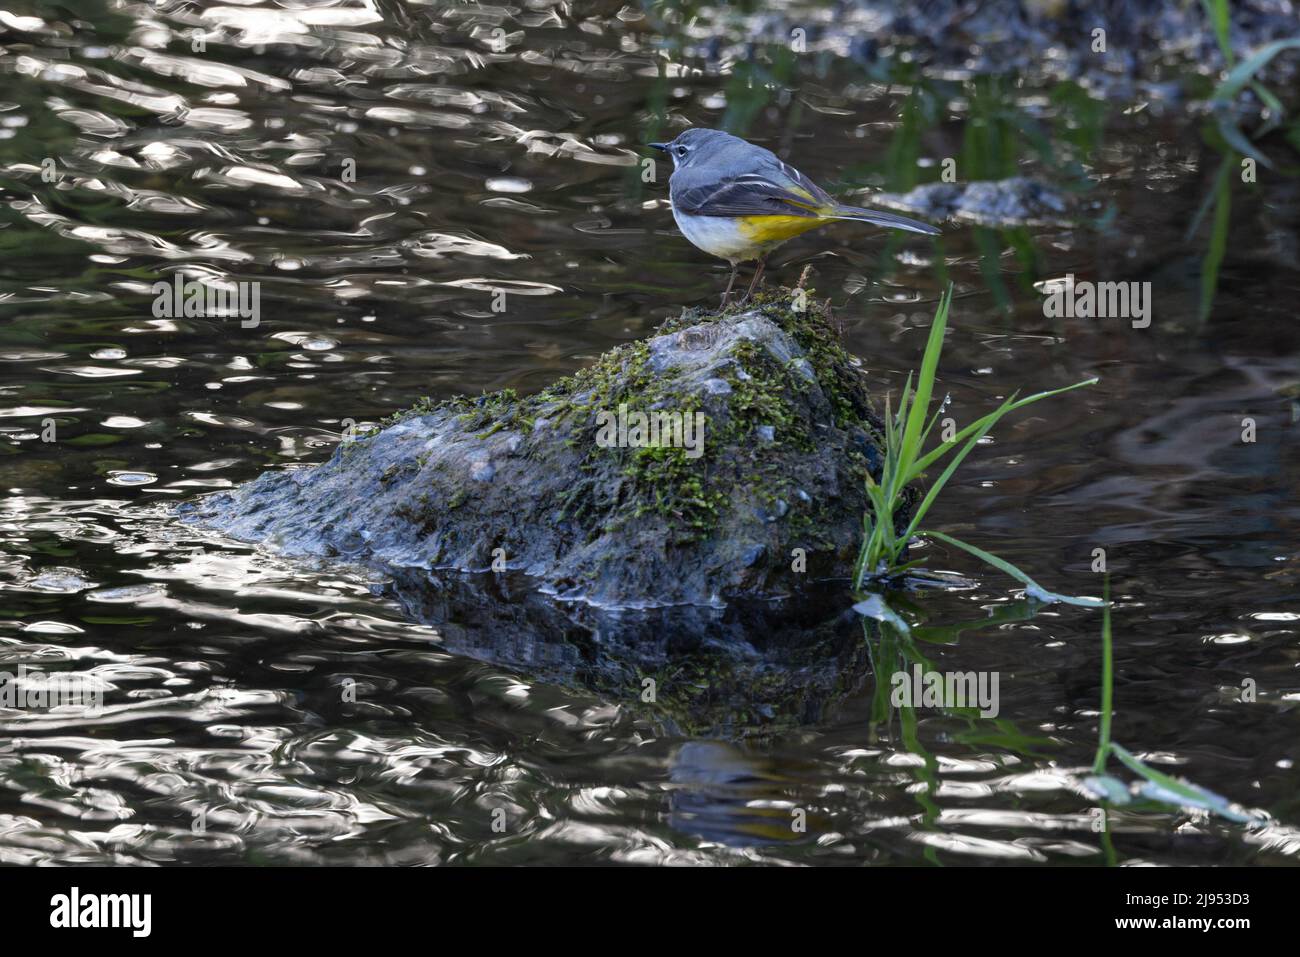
point(746, 669)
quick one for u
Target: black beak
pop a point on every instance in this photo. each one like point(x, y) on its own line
point(661, 147)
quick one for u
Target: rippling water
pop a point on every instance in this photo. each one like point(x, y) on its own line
point(382, 169)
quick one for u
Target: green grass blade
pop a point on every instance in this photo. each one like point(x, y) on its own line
point(903, 435)
point(925, 382)
point(1245, 71)
point(1107, 684)
point(937, 485)
point(1218, 240)
point(1216, 11)
point(1178, 792)
point(1235, 138)
point(1032, 588)
point(1276, 111)
point(934, 419)
point(938, 452)
point(891, 437)
point(1206, 202)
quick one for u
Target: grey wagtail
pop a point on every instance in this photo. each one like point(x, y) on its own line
point(738, 201)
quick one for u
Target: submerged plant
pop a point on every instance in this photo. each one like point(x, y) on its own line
point(882, 555)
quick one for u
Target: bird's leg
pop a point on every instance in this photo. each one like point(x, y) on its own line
point(735, 268)
point(753, 283)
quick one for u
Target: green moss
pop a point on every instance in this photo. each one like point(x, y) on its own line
point(688, 493)
point(813, 328)
point(422, 406)
point(760, 393)
point(673, 486)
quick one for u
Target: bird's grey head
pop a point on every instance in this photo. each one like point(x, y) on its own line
point(691, 144)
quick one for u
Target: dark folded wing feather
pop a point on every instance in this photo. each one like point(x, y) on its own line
point(803, 183)
point(750, 194)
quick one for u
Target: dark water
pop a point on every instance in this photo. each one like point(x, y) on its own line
point(260, 712)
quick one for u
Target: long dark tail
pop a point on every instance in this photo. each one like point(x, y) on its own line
point(888, 220)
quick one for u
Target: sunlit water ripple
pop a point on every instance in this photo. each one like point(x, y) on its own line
point(382, 170)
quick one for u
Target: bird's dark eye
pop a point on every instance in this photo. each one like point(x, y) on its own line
point(681, 151)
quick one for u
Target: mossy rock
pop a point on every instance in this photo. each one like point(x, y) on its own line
point(788, 439)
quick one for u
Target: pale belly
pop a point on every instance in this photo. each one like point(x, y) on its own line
point(734, 242)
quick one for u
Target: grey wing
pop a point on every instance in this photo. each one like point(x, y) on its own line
point(751, 194)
